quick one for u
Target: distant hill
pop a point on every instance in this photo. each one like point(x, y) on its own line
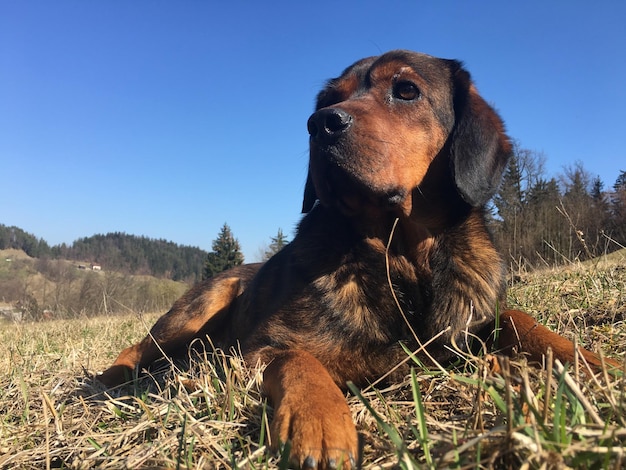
point(34, 289)
point(117, 251)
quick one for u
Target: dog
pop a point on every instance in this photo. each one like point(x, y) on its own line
point(393, 252)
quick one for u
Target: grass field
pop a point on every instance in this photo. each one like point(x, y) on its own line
point(54, 415)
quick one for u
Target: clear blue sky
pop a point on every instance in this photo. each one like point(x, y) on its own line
point(169, 118)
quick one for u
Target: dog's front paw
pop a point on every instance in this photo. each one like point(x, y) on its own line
point(115, 375)
point(318, 432)
point(311, 417)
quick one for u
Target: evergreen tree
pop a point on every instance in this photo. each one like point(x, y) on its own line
point(510, 198)
point(226, 254)
point(601, 208)
point(620, 182)
point(277, 244)
point(597, 190)
point(618, 210)
point(509, 202)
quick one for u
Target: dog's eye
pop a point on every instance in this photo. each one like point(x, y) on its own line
point(406, 91)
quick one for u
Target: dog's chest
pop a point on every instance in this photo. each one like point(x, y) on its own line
point(369, 303)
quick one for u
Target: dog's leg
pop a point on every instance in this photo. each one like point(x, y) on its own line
point(310, 412)
point(522, 331)
point(176, 329)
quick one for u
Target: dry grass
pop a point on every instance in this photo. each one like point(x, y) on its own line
point(212, 414)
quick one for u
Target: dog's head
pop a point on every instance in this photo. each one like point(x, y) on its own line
point(393, 130)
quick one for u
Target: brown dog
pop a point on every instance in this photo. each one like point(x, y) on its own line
point(404, 154)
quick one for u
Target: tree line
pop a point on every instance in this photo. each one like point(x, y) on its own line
point(138, 255)
point(49, 284)
point(544, 221)
point(132, 254)
point(17, 239)
point(116, 251)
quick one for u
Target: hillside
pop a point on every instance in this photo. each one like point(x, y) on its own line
point(42, 288)
point(117, 251)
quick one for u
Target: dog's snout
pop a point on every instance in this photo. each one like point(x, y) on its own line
point(328, 124)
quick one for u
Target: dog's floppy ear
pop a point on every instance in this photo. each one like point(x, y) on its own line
point(480, 149)
point(310, 196)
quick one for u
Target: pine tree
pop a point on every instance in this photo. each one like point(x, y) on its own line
point(597, 190)
point(510, 201)
point(278, 242)
point(620, 182)
point(510, 197)
point(226, 253)
point(618, 209)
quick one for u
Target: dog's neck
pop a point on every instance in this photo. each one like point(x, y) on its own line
point(413, 241)
point(394, 235)
point(416, 237)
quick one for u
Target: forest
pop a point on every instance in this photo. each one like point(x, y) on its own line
point(138, 274)
point(540, 221)
point(116, 251)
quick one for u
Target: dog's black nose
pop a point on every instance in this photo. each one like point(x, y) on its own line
point(327, 124)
